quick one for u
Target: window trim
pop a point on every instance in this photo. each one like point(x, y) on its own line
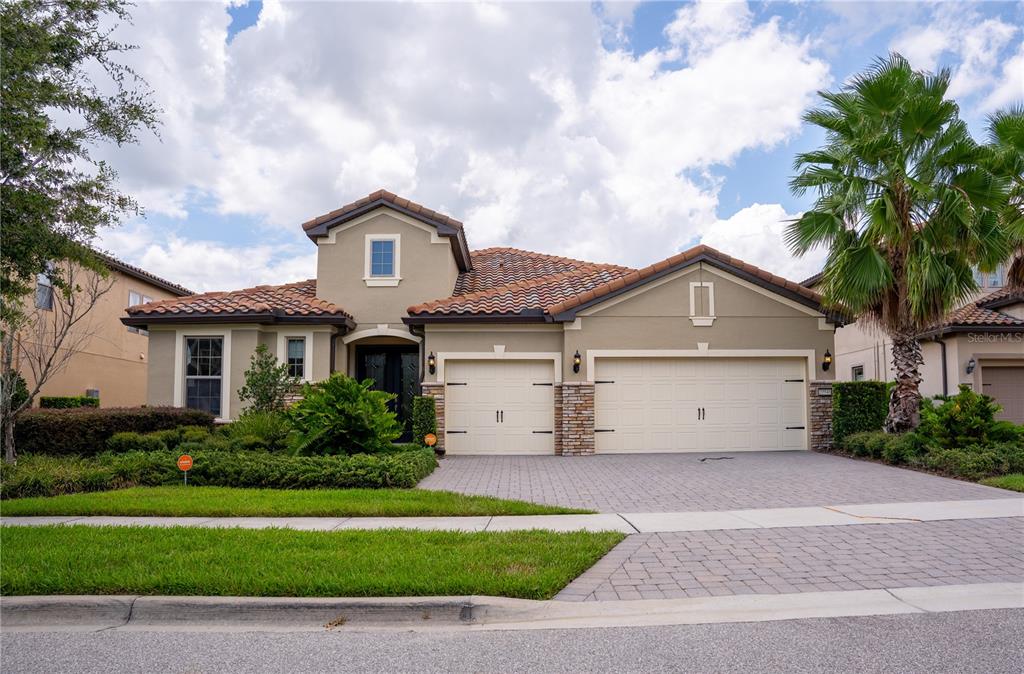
point(43, 280)
point(705, 320)
point(223, 378)
point(145, 298)
point(180, 335)
point(853, 372)
point(288, 357)
point(382, 281)
point(282, 350)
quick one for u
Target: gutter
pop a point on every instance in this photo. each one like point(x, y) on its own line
point(945, 374)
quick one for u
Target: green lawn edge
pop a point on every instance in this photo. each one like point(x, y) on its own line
point(1013, 482)
point(239, 502)
point(187, 561)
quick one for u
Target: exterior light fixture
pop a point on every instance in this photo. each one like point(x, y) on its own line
point(826, 362)
point(971, 364)
point(577, 360)
point(432, 363)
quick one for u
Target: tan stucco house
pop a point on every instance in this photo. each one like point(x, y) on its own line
point(524, 353)
point(111, 360)
point(981, 344)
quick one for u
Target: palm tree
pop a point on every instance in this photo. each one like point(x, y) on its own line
point(904, 207)
point(1006, 147)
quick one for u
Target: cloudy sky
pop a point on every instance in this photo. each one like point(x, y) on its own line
point(611, 132)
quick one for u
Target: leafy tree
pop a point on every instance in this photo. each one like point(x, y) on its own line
point(267, 382)
point(1006, 147)
point(63, 92)
point(343, 416)
point(905, 208)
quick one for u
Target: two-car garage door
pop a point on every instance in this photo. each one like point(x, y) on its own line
point(699, 404)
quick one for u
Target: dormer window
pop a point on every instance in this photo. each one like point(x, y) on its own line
point(382, 260)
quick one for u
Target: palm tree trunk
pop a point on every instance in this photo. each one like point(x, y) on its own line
point(905, 400)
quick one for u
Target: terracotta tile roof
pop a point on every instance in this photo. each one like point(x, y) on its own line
point(676, 260)
point(291, 300)
point(984, 313)
point(383, 195)
point(495, 267)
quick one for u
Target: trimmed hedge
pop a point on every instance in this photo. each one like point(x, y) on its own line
point(67, 402)
point(51, 476)
point(857, 406)
point(424, 418)
point(85, 431)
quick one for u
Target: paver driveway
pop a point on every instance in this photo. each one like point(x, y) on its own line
point(685, 482)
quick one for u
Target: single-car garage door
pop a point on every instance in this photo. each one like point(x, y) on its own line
point(699, 404)
point(499, 407)
point(1006, 385)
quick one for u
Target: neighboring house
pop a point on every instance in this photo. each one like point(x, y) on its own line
point(524, 353)
point(112, 361)
point(980, 344)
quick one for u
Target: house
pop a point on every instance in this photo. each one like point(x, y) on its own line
point(981, 344)
point(525, 353)
point(110, 361)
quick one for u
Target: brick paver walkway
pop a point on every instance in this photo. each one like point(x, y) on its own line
point(806, 559)
point(683, 482)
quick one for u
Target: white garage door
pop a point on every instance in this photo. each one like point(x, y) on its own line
point(499, 407)
point(699, 404)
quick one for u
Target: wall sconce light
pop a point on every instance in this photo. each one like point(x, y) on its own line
point(826, 362)
point(432, 363)
point(577, 360)
point(971, 364)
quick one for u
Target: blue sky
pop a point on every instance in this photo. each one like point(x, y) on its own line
point(618, 132)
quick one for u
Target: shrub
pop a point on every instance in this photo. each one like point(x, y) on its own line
point(266, 382)
point(67, 402)
point(260, 430)
point(864, 443)
point(131, 441)
point(424, 418)
point(900, 449)
point(20, 394)
point(857, 406)
point(86, 431)
point(971, 463)
point(967, 418)
point(50, 476)
point(340, 415)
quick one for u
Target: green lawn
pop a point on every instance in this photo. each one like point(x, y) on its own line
point(232, 502)
point(1013, 481)
point(280, 562)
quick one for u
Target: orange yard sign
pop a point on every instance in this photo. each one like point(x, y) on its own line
point(430, 439)
point(184, 462)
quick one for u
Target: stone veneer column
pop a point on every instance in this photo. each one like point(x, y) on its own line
point(577, 413)
point(436, 391)
point(820, 400)
point(558, 419)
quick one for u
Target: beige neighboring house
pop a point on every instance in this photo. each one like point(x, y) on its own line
point(981, 344)
point(113, 361)
point(524, 353)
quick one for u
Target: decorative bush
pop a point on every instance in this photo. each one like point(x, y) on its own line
point(857, 406)
point(67, 402)
point(260, 430)
point(424, 418)
point(967, 418)
point(341, 415)
point(51, 476)
point(86, 431)
point(131, 441)
point(20, 394)
point(267, 382)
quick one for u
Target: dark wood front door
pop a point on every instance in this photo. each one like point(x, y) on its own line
point(395, 369)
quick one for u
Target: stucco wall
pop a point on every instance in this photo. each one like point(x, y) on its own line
point(480, 338)
point(428, 270)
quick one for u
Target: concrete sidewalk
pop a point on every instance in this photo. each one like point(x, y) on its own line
point(628, 523)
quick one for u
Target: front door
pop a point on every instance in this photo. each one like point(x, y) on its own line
point(394, 369)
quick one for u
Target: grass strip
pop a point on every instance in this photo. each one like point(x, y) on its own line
point(1013, 481)
point(235, 502)
point(286, 563)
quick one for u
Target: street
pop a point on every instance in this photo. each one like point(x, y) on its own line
point(969, 641)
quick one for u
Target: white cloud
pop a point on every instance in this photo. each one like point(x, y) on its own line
point(1010, 88)
point(756, 235)
point(514, 118)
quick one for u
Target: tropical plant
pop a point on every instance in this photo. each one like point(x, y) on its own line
point(967, 418)
point(905, 208)
point(1006, 158)
point(267, 382)
point(343, 416)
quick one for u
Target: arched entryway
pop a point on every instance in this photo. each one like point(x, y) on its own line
point(390, 358)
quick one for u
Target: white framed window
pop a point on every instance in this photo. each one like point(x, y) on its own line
point(296, 357)
point(136, 298)
point(857, 373)
point(702, 303)
point(383, 260)
point(997, 279)
point(204, 373)
point(44, 288)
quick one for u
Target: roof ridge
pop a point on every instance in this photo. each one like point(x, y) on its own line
point(548, 256)
point(386, 196)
